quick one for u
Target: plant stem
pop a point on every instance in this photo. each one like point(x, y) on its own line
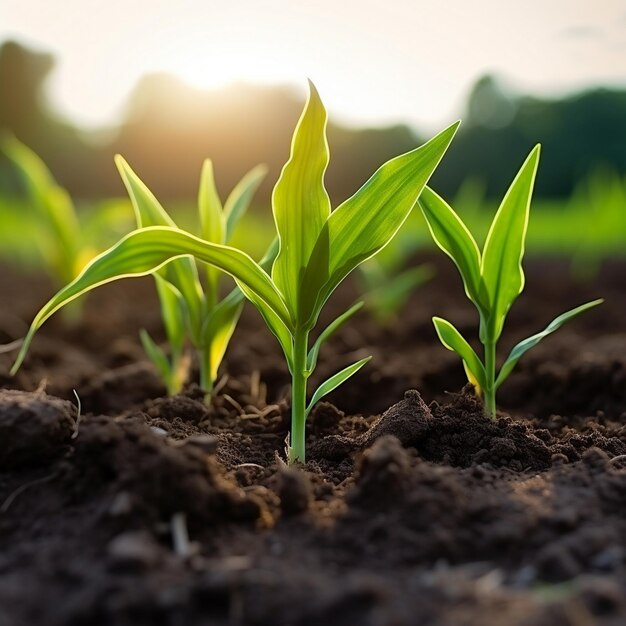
point(298, 399)
point(490, 371)
point(178, 372)
point(205, 378)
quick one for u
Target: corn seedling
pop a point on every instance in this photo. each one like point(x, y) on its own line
point(192, 312)
point(493, 280)
point(63, 243)
point(318, 248)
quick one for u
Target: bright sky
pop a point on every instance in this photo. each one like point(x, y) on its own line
point(373, 61)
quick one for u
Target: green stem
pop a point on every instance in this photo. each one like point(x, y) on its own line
point(298, 399)
point(490, 371)
point(178, 373)
point(205, 378)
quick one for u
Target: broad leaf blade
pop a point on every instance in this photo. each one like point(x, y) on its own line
point(334, 381)
point(453, 237)
point(300, 202)
point(147, 250)
point(501, 266)
point(452, 339)
point(241, 196)
point(524, 346)
point(365, 223)
point(311, 360)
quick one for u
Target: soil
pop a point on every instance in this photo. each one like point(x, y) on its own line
point(412, 507)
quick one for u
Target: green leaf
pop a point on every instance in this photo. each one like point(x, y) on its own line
point(173, 312)
point(212, 224)
point(273, 322)
point(300, 202)
point(452, 339)
point(311, 360)
point(148, 210)
point(182, 273)
point(365, 223)
point(277, 326)
point(334, 381)
point(147, 250)
point(156, 355)
point(219, 327)
point(523, 346)
point(241, 196)
point(501, 266)
point(52, 204)
point(453, 237)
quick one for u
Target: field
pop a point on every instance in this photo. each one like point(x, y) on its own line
point(148, 481)
point(403, 509)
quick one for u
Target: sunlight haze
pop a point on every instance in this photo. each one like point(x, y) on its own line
point(374, 62)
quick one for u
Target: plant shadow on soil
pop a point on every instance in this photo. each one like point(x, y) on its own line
point(411, 509)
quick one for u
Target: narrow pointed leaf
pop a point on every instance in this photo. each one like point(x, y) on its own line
point(147, 250)
point(365, 223)
point(452, 339)
point(300, 202)
point(524, 346)
point(501, 266)
point(182, 273)
point(453, 237)
point(212, 224)
point(156, 355)
point(148, 210)
point(52, 203)
point(219, 327)
point(173, 312)
point(311, 360)
point(240, 198)
point(334, 381)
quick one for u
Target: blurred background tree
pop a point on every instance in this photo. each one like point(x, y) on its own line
point(168, 128)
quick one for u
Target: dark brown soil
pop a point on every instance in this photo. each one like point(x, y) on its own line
point(412, 507)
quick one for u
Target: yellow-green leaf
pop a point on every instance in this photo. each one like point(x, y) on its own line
point(365, 223)
point(452, 339)
point(501, 266)
point(212, 224)
point(300, 202)
point(453, 237)
point(241, 196)
point(523, 346)
point(182, 273)
point(334, 381)
point(147, 250)
point(219, 327)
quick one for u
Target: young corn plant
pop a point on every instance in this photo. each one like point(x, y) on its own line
point(318, 248)
point(192, 312)
point(493, 279)
point(58, 234)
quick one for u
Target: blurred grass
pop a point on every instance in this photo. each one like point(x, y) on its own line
point(588, 228)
